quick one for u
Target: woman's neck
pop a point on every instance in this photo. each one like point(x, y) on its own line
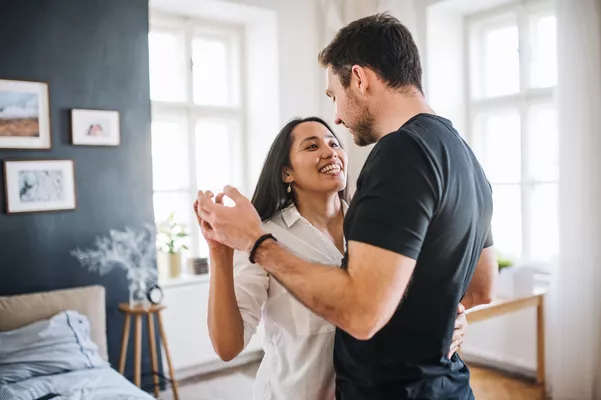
point(320, 210)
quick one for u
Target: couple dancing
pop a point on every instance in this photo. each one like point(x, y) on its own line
point(363, 301)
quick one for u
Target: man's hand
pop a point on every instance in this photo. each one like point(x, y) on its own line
point(238, 227)
point(460, 328)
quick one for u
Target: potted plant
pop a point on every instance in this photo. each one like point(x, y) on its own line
point(503, 262)
point(505, 282)
point(171, 237)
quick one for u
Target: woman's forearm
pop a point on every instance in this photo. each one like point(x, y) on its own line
point(226, 328)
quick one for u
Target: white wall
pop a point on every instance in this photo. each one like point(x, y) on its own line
point(445, 65)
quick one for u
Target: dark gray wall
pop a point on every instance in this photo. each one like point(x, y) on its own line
point(93, 54)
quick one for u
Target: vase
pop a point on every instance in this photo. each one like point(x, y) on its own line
point(138, 290)
point(175, 265)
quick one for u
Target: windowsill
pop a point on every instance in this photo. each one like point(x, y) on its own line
point(184, 280)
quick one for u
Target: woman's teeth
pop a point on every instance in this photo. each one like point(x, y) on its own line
point(330, 169)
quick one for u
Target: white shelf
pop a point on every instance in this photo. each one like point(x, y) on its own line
point(184, 280)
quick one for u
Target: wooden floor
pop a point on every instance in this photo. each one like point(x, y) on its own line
point(237, 383)
point(492, 385)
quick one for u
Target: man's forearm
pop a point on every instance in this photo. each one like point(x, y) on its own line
point(326, 290)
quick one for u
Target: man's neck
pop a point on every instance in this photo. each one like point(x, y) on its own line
point(320, 210)
point(396, 108)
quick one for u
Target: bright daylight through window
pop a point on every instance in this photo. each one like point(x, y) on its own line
point(197, 113)
point(513, 123)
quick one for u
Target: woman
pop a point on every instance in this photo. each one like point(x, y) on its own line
point(301, 199)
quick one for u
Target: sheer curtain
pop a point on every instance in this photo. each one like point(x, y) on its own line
point(575, 357)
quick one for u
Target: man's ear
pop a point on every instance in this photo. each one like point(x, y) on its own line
point(359, 79)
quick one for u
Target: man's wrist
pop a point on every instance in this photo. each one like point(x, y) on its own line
point(261, 254)
point(252, 240)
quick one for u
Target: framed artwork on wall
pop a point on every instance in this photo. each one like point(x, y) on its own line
point(24, 115)
point(40, 185)
point(95, 128)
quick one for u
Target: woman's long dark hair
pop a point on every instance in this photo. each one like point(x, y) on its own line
point(270, 195)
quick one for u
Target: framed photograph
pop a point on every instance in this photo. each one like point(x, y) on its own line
point(95, 127)
point(24, 115)
point(46, 185)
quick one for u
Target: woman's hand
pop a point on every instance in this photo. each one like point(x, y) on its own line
point(459, 332)
point(215, 247)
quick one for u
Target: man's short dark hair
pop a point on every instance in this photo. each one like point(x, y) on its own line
point(379, 42)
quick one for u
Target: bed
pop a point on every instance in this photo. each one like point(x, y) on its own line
point(53, 346)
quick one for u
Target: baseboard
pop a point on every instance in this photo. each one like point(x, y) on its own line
point(498, 363)
point(215, 366)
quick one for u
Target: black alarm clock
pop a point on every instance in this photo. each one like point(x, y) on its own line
point(155, 294)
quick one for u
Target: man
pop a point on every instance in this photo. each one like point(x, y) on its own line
point(418, 228)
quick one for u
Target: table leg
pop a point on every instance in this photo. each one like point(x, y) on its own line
point(168, 356)
point(124, 342)
point(540, 340)
point(153, 355)
point(138, 351)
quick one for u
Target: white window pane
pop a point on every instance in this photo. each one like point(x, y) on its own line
point(170, 155)
point(211, 72)
point(544, 222)
point(507, 220)
point(501, 137)
point(178, 203)
point(501, 62)
point(543, 57)
point(167, 67)
point(217, 155)
point(543, 152)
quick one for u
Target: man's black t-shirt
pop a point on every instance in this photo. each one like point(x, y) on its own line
point(422, 194)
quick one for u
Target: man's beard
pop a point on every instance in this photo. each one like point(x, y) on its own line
point(363, 131)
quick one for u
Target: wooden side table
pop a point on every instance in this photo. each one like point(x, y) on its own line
point(505, 306)
point(138, 312)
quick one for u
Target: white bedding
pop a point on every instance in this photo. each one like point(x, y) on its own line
point(89, 384)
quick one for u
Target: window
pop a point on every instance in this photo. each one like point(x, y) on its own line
point(513, 124)
point(197, 115)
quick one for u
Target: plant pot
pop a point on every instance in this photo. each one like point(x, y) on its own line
point(175, 265)
point(505, 283)
point(169, 265)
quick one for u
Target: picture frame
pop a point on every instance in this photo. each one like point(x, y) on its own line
point(95, 127)
point(39, 185)
point(24, 115)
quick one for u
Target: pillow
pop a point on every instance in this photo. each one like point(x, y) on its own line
point(56, 345)
point(20, 310)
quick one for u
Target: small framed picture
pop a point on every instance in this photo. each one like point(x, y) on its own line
point(45, 185)
point(95, 128)
point(24, 115)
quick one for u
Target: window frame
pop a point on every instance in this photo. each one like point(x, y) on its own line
point(478, 105)
point(190, 28)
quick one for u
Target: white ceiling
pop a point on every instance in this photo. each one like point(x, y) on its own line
point(229, 11)
point(467, 6)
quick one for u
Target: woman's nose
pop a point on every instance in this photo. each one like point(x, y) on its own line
point(329, 153)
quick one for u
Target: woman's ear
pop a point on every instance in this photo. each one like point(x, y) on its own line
point(287, 176)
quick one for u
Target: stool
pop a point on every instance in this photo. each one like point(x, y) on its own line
point(138, 312)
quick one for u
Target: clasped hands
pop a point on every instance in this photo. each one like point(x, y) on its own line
point(236, 227)
point(239, 227)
